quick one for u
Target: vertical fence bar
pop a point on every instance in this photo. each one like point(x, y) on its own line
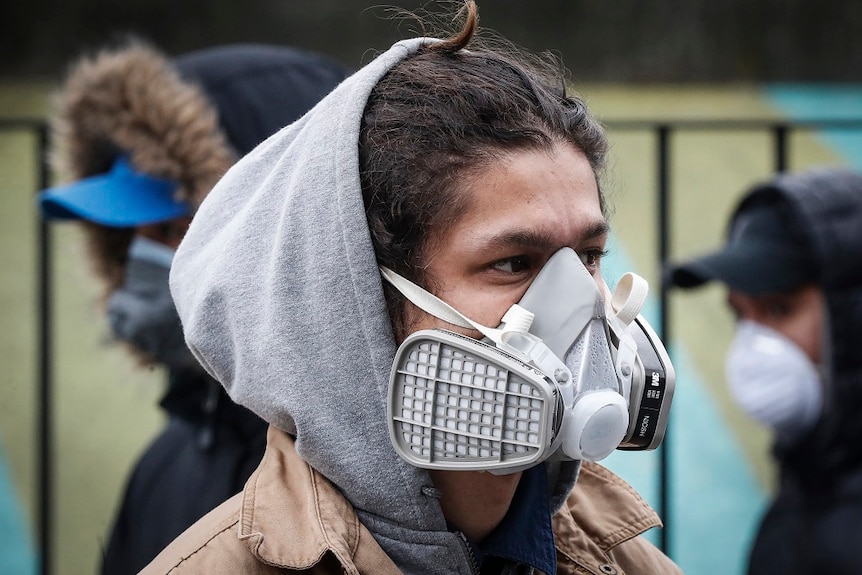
point(663, 218)
point(780, 147)
point(44, 505)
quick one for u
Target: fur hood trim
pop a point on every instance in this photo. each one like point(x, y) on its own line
point(131, 100)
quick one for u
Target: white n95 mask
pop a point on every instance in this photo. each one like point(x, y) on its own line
point(562, 378)
point(772, 380)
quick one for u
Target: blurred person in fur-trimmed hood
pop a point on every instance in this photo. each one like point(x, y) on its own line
point(139, 141)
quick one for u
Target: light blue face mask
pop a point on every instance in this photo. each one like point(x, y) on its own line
point(565, 377)
point(142, 312)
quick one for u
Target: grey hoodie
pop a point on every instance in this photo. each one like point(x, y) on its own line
point(281, 300)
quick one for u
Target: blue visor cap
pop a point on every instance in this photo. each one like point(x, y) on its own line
point(120, 198)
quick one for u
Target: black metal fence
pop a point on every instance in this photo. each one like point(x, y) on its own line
point(662, 132)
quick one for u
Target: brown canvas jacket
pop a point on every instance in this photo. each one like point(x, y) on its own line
point(290, 519)
point(598, 529)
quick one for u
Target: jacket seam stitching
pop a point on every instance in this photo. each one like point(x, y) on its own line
point(201, 547)
point(323, 531)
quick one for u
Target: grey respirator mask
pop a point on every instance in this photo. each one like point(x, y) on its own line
point(564, 377)
point(142, 312)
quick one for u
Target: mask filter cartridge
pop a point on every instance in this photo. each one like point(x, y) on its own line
point(459, 398)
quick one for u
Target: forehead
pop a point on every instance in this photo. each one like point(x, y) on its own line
point(550, 195)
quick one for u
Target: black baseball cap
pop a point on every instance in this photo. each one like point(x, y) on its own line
point(765, 252)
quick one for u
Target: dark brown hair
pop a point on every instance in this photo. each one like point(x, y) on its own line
point(447, 112)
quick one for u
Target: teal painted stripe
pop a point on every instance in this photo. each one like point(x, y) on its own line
point(715, 499)
point(824, 101)
point(16, 551)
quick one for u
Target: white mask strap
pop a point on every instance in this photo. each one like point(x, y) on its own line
point(517, 319)
point(629, 297)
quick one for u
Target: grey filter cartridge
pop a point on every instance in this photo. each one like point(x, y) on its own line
point(458, 403)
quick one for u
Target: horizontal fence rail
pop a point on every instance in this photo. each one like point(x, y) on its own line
point(662, 131)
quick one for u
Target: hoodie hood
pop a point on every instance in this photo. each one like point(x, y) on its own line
point(186, 120)
point(825, 205)
point(281, 299)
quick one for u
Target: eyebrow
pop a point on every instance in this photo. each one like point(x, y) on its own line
point(543, 240)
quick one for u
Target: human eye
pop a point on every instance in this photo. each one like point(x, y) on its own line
point(592, 258)
point(513, 265)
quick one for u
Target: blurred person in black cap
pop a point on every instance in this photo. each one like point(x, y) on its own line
point(140, 141)
point(792, 265)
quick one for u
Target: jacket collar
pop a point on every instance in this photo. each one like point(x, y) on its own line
point(292, 516)
point(602, 512)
